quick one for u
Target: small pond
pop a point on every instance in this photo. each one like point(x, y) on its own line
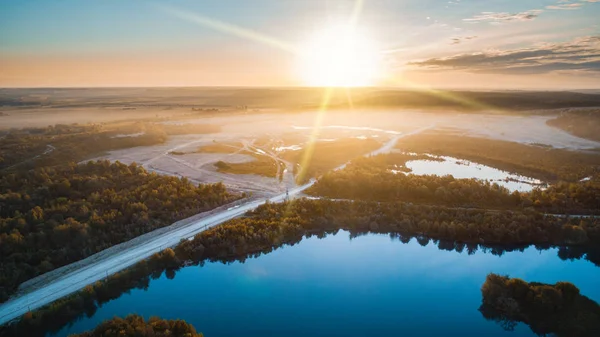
point(464, 169)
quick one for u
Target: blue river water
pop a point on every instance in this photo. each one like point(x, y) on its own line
point(366, 286)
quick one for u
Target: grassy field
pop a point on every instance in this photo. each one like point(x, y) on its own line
point(262, 165)
point(219, 148)
point(324, 156)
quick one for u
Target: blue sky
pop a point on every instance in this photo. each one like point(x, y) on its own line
point(525, 43)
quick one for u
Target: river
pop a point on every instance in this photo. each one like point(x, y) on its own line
point(336, 286)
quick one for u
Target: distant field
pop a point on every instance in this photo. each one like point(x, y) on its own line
point(205, 100)
point(500, 101)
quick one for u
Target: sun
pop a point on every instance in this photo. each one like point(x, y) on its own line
point(340, 56)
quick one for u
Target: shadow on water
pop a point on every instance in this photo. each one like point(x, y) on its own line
point(52, 318)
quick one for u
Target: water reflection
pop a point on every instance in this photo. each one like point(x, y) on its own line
point(558, 309)
point(464, 169)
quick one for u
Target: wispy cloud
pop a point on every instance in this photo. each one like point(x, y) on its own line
point(506, 17)
point(458, 40)
point(503, 17)
point(569, 6)
point(582, 54)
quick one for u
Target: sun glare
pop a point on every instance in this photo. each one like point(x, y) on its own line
point(340, 56)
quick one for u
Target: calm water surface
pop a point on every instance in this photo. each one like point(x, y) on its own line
point(367, 286)
point(464, 169)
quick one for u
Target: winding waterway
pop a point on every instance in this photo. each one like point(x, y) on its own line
point(366, 286)
point(464, 169)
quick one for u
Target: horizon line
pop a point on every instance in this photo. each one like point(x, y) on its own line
point(404, 88)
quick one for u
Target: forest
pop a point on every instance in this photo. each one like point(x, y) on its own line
point(273, 225)
point(540, 162)
point(557, 309)
point(136, 326)
point(52, 216)
point(580, 123)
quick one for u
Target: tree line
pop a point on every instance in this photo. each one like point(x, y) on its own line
point(29, 148)
point(136, 326)
point(557, 309)
point(53, 216)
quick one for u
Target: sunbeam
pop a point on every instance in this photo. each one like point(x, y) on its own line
point(310, 146)
point(231, 29)
point(445, 95)
point(356, 12)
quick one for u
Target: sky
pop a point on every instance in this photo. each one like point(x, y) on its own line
point(467, 44)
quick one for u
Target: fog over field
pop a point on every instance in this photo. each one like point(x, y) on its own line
point(271, 119)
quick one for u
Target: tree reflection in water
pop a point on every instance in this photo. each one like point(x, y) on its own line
point(557, 309)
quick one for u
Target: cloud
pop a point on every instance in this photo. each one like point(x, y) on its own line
point(503, 17)
point(582, 54)
point(458, 40)
point(506, 17)
point(570, 5)
point(565, 6)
